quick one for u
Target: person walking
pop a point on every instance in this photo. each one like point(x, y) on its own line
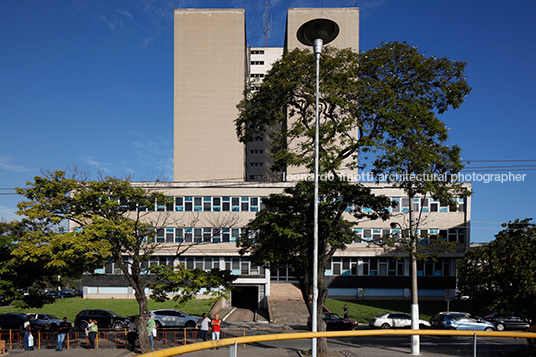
point(132, 334)
point(346, 315)
point(151, 329)
point(27, 327)
point(203, 325)
point(92, 330)
point(63, 329)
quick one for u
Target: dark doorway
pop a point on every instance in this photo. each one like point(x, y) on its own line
point(245, 297)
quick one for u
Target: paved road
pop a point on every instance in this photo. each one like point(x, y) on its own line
point(380, 346)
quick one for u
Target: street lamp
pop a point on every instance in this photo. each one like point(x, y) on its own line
point(415, 339)
point(316, 33)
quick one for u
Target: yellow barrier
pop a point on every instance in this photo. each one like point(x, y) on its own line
point(308, 335)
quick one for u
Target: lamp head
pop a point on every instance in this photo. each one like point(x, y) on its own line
point(318, 29)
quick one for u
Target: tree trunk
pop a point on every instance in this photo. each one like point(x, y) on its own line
point(138, 285)
point(142, 322)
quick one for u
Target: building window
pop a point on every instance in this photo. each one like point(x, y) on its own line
point(256, 177)
point(257, 75)
point(256, 164)
point(257, 52)
point(257, 62)
point(258, 138)
point(256, 152)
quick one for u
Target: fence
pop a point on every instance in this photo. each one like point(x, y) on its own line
point(106, 339)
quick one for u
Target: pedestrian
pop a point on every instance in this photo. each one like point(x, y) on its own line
point(203, 325)
point(27, 327)
point(91, 331)
point(63, 329)
point(216, 324)
point(346, 315)
point(151, 329)
point(132, 334)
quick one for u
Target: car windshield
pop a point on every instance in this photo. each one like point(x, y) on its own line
point(459, 317)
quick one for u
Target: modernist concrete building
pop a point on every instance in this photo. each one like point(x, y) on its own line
point(219, 183)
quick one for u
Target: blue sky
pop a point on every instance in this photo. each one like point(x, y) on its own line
point(90, 83)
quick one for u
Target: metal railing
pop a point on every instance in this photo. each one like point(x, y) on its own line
point(106, 339)
point(308, 335)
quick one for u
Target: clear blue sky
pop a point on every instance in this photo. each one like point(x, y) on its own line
point(90, 83)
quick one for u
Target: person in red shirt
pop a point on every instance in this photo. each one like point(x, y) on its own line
point(216, 323)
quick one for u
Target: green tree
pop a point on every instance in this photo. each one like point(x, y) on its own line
point(378, 110)
point(501, 275)
point(21, 282)
point(281, 234)
point(110, 220)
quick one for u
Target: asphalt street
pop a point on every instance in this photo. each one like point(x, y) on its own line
point(380, 346)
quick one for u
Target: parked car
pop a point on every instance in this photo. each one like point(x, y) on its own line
point(460, 321)
point(335, 322)
point(48, 321)
point(395, 320)
point(507, 321)
point(173, 318)
point(53, 294)
point(14, 321)
point(104, 318)
point(66, 293)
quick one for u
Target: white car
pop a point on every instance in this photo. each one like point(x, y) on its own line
point(173, 318)
point(395, 319)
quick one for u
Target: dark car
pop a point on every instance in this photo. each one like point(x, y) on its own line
point(336, 322)
point(104, 318)
point(66, 293)
point(507, 321)
point(14, 321)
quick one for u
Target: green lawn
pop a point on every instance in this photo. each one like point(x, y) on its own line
point(71, 306)
point(363, 310)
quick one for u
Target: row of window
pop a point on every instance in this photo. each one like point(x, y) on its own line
point(237, 265)
point(197, 235)
point(257, 62)
point(253, 204)
point(387, 267)
point(375, 235)
point(335, 267)
point(372, 267)
point(362, 235)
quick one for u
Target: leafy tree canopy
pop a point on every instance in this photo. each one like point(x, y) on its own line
point(282, 233)
point(501, 275)
point(110, 220)
point(391, 94)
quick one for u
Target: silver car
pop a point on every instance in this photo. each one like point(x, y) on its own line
point(173, 318)
point(48, 321)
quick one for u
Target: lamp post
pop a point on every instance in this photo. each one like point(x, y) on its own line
point(415, 339)
point(316, 33)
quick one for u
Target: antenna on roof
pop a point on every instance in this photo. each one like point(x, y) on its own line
point(267, 23)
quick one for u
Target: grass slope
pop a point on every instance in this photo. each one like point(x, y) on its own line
point(71, 306)
point(363, 310)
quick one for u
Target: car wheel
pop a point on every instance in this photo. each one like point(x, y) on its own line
point(500, 327)
point(189, 324)
point(82, 325)
point(489, 329)
point(117, 326)
point(385, 326)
